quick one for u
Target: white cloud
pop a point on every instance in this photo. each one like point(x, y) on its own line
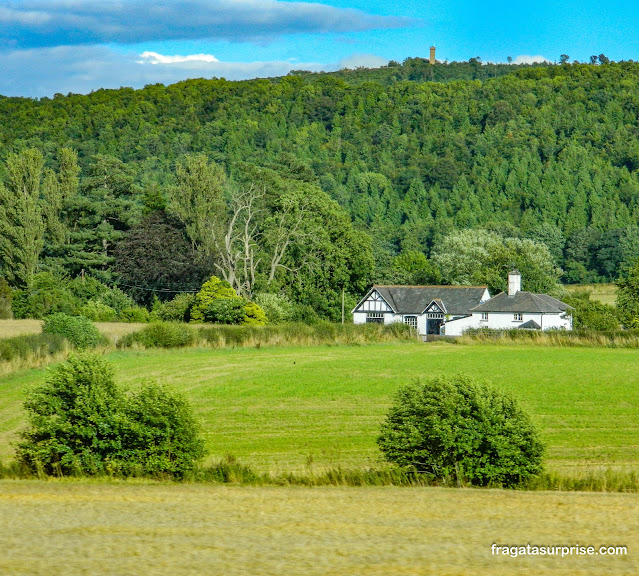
point(362, 60)
point(83, 69)
point(525, 59)
point(155, 58)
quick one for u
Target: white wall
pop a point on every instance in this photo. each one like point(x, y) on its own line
point(556, 322)
point(457, 327)
point(360, 318)
point(504, 321)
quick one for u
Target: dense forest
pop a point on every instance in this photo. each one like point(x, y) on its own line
point(301, 188)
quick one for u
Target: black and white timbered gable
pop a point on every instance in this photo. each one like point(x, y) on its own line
point(425, 307)
point(435, 308)
point(374, 305)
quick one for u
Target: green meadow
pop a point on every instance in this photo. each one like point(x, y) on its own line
point(300, 408)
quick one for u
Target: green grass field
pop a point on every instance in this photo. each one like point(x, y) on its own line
point(98, 529)
point(606, 293)
point(288, 409)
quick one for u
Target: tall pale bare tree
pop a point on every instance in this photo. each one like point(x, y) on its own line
point(245, 239)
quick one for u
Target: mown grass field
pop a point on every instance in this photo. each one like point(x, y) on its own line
point(98, 529)
point(301, 408)
point(606, 293)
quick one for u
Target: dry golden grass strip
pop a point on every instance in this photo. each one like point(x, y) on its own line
point(88, 528)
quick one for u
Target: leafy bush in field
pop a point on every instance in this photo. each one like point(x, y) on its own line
point(162, 435)
point(223, 311)
point(76, 419)
point(160, 335)
point(48, 294)
point(134, 315)
point(455, 428)
point(78, 330)
point(277, 307)
point(31, 345)
point(254, 315)
point(98, 312)
point(217, 302)
point(81, 422)
point(176, 310)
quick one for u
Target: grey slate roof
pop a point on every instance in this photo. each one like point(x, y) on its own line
point(457, 300)
point(530, 325)
point(523, 302)
point(558, 303)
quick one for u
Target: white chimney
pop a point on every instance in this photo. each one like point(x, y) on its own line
point(514, 282)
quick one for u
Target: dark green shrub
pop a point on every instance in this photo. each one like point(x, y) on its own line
point(454, 428)
point(162, 434)
point(160, 335)
point(277, 307)
point(78, 330)
point(31, 345)
point(48, 294)
point(223, 311)
point(87, 288)
point(134, 315)
point(118, 300)
point(96, 311)
point(81, 422)
point(217, 302)
point(176, 310)
point(76, 419)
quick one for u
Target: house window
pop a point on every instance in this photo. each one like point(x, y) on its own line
point(517, 317)
point(484, 316)
point(375, 318)
point(411, 321)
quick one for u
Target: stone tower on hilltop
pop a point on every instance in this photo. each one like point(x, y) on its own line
point(432, 55)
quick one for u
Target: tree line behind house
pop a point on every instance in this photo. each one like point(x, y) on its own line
point(310, 187)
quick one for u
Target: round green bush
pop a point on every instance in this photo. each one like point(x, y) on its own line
point(255, 316)
point(277, 307)
point(160, 335)
point(178, 309)
point(78, 330)
point(217, 302)
point(82, 422)
point(134, 315)
point(453, 428)
point(98, 312)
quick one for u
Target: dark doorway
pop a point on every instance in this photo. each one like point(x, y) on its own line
point(433, 326)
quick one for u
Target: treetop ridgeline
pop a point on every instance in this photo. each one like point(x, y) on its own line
point(314, 184)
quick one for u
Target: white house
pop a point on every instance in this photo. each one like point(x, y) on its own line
point(425, 308)
point(451, 310)
point(515, 309)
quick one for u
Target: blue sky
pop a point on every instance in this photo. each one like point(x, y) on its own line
point(51, 46)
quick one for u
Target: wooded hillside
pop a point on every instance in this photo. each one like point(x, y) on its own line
point(400, 156)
